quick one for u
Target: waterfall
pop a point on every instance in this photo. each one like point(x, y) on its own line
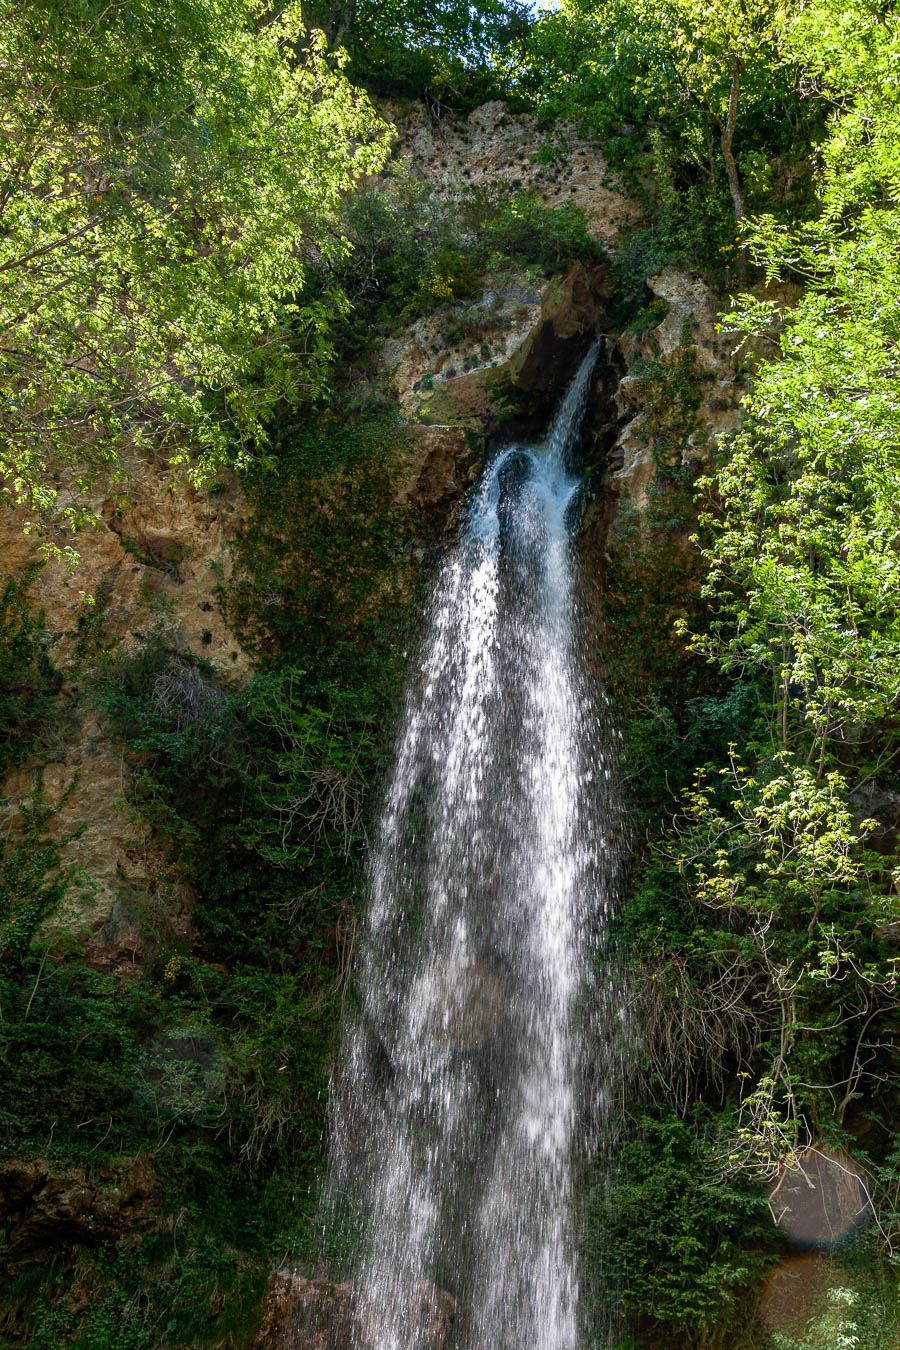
point(459, 1118)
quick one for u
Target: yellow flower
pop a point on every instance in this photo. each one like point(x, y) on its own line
point(173, 967)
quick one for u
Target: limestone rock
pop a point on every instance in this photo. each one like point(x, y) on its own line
point(44, 1208)
point(154, 563)
point(318, 1314)
point(97, 773)
point(493, 146)
point(455, 366)
point(160, 551)
point(690, 321)
point(451, 365)
point(458, 340)
point(435, 471)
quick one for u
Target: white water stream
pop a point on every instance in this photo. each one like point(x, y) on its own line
point(459, 1120)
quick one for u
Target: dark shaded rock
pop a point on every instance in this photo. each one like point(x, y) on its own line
point(820, 1198)
point(435, 472)
point(874, 801)
point(45, 1209)
point(572, 309)
point(117, 947)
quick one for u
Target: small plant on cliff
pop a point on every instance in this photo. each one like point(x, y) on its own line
point(28, 681)
point(34, 879)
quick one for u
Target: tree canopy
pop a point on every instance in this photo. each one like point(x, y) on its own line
point(166, 173)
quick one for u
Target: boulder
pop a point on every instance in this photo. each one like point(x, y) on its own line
point(319, 1314)
point(44, 1208)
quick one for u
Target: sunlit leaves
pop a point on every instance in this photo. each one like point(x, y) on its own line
point(804, 559)
point(165, 176)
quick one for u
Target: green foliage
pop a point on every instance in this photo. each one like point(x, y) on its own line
point(759, 935)
point(800, 529)
point(519, 227)
point(678, 1243)
point(802, 560)
point(28, 681)
point(33, 877)
point(279, 768)
point(450, 51)
point(161, 1293)
point(780, 860)
point(669, 394)
point(411, 250)
point(70, 1044)
point(803, 565)
point(164, 177)
point(654, 82)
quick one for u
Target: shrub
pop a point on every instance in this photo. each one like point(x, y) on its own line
point(671, 1236)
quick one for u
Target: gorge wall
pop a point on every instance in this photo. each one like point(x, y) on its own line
point(460, 375)
point(163, 576)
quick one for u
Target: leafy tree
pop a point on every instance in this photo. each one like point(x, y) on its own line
point(713, 47)
point(803, 583)
point(803, 559)
point(680, 64)
point(779, 859)
point(166, 173)
point(446, 50)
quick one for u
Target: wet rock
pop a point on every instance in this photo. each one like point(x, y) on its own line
point(45, 1209)
point(466, 1004)
point(798, 1290)
point(318, 1314)
point(304, 1314)
point(117, 947)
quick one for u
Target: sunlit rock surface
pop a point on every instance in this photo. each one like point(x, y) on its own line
point(690, 321)
point(494, 146)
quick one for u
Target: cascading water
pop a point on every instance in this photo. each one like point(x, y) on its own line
point(459, 1117)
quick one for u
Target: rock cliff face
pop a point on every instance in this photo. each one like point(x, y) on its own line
point(462, 375)
point(495, 147)
point(43, 1207)
point(689, 327)
point(154, 564)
